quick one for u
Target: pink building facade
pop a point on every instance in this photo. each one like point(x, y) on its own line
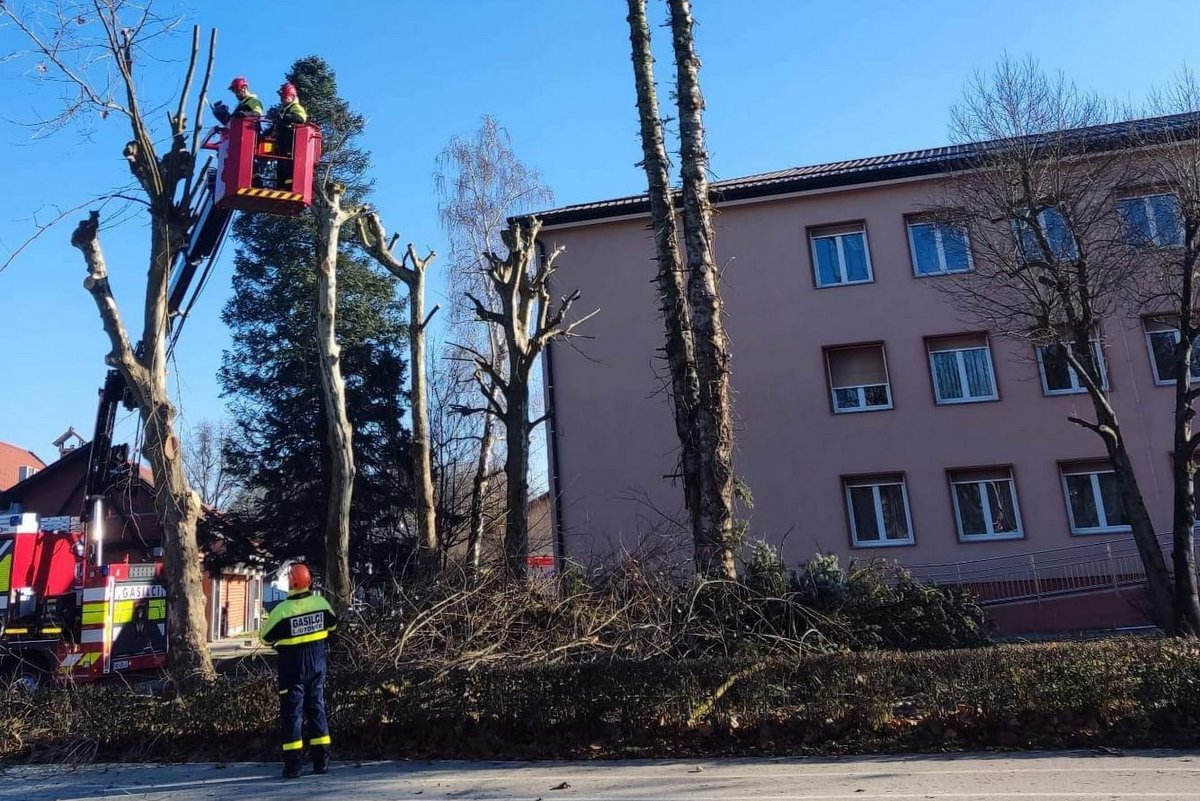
point(874, 418)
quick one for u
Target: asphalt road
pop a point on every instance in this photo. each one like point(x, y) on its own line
point(1031, 777)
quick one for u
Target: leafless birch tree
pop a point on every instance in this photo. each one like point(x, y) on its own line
point(1039, 206)
point(481, 183)
point(94, 51)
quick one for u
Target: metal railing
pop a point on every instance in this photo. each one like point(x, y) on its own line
point(1074, 569)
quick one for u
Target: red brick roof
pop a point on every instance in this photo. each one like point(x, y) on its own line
point(12, 459)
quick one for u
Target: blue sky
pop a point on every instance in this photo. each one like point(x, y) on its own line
point(788, 82)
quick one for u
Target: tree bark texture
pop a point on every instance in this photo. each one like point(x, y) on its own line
point(177, 506)
point(411, 271)
point(1183, 457)
point(330, 219)
point(479, 489)
point(715, 539)
point(670, 279)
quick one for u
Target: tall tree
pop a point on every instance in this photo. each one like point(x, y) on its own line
point(95, 52)
point(1039, 208)
point(527, 319)
point(271, 377)
point(207, 466)
point(481, 184)
point(410, 269)
point(715, 538)
point(689, 295)
point(1163, 228)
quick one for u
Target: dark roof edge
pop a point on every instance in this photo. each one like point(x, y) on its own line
point(869, 170)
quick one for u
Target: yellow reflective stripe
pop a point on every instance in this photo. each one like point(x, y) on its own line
point(322, 740)
point(51, 630)
point(295, 745)
point(94, 612)
point(11, 630)
point(5, 572)
point(158, 609)
point(284, 692)
point(123, 611)
point(303, 638)
point(272, 194)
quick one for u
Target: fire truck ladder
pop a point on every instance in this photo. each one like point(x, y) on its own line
point(198, 255)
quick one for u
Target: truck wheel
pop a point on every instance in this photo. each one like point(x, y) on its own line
point(28, 672)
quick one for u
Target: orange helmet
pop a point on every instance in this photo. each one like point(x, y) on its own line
point(287, 90)
point(298, 577)
point(238, 83)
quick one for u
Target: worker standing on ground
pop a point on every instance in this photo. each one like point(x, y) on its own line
point(248, 103)
point(297, 628)
point(285, 117)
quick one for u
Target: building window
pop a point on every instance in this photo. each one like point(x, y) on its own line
point(1151, 221)
point(878, 509)
point(840, 255)
point(1093, 499)
point(25, 471)
point(1058, 376)
point(1161, 339)
point(962, 369)
point(938, 249)
point(985, 505)
point(858, 379)
point(1058, 237)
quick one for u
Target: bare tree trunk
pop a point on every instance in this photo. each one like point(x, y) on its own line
point(715, 539)
point(411, 270)
point(479, 489)
point(331, 216)
point(516, 471)
point(672, 290)
point(1183, 456)
point(176, 504)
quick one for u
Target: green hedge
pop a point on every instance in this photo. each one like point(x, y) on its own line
point(1120, 692)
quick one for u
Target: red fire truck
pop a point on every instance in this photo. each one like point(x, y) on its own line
point(65, 610)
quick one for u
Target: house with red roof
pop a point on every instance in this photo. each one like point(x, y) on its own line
point(17, 464)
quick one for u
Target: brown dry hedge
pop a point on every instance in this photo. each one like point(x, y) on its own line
point(1118, 692)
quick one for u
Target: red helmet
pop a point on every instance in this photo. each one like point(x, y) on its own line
point(299, 578)
point(287, 90)
point(238, 83)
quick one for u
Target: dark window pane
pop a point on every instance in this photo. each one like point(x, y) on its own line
point(1135, 225)
point(946, 377)
point(1003, 506)
point(1114, 509)
point(979, 373)
point(877, 395)
point(970, 510)
point(1162, 343)
point(1083, 503)
point(895, 520)
point(1056, 368)
point(1165, 209)
point(924, 239)
point(854, 246)
point(846, 398)
point(954, 247)
point(825, 252)
point(862, 502)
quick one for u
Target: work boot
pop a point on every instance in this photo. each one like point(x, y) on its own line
point(291, 767)
point(320, 756)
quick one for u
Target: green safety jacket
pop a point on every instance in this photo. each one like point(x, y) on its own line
point(291, 114)
point(302, 618)
point(250, 106)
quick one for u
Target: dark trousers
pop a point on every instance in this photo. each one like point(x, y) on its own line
point(302, 698)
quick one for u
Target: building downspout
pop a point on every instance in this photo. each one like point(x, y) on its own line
point(560, 544)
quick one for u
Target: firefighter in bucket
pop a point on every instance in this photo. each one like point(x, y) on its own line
point(298, 629)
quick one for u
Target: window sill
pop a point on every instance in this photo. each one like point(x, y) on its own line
point(1088, 532)
point(943, 274)
point(964, 401)
point(1054, 393)
point(1020, 535)
point(886, 408)
point(884, 544)
point(846, 283)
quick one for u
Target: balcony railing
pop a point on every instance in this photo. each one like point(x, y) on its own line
point(1070, 570)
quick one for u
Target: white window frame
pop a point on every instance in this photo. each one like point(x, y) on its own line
point(1076, 386)
point(1175, 334)
point(962, 376)
point(1145, 201)
point(986, 505)
point(861, 388)
point(941, 250)
point(1097, 499)
point(850, 230)
point(849, 484)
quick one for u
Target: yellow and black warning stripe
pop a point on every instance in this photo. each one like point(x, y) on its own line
point(270, 194)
